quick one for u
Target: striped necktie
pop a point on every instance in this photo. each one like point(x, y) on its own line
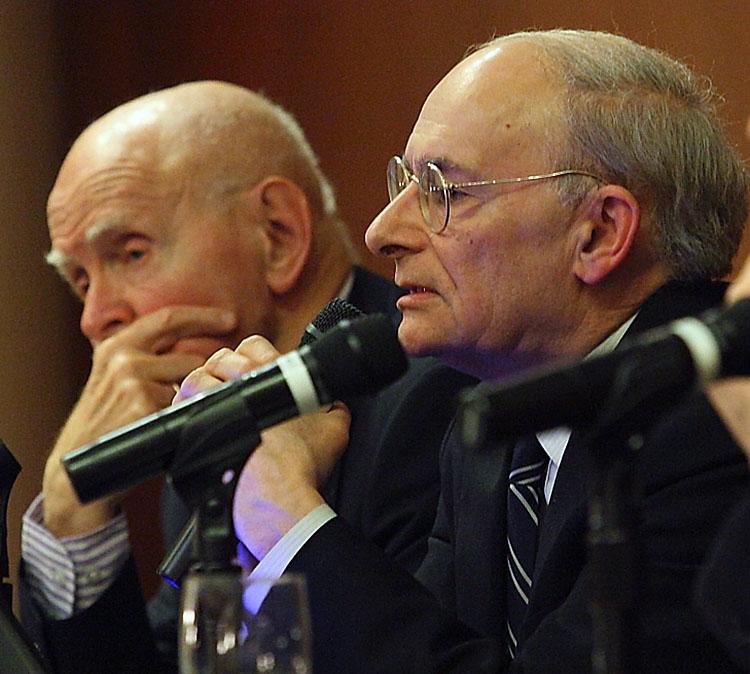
point(525, 505)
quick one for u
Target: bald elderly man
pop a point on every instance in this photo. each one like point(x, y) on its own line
point(185, 221)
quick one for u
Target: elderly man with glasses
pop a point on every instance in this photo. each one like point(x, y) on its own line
point(570, 188)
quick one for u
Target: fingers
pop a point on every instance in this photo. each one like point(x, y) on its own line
point(252, 353)
point(132, 375)
point(124, 385)
point(140, 354)
point(225, 365)
point(131, 364)
point(197, 381)
point(257, 350)
point(279, 484)
point(158, 331)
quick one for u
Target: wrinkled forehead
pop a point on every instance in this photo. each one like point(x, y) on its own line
point(117, 150)
point(502, 101)
point(89, 199)
point(67, 254)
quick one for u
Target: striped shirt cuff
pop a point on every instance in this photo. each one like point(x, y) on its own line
point(68, 575)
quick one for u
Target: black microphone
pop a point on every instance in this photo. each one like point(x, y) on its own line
point(177, 560)
point(658, 368)
point(355, 357)
point(329, 316)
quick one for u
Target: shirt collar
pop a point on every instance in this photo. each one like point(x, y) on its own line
point(555, 440)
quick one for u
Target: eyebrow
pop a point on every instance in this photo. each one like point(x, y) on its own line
point(108, 228)
point(57, 259)
point(447, 166)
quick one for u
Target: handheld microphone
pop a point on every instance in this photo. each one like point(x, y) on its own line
point(356, 357)
point(177, 560)
point(661, 366)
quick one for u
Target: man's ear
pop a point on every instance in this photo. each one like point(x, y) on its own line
point(605, 231)
point(287, 224)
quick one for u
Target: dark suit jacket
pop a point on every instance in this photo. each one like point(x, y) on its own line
point(369, 617)
point(386, 486)
point(723, 589)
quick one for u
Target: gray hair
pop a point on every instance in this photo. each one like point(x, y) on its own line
point(640, 119)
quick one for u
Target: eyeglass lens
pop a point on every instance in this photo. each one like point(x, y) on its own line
point(434, 199)
point(398, 177)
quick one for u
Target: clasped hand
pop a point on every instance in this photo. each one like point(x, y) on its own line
point(279, 484)
point(132, 374)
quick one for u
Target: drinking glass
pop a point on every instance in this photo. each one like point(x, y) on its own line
point(232, 624)
point(276, 633)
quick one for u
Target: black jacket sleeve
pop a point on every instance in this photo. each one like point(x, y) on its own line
point(113, 635)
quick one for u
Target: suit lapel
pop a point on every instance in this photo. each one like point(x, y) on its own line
point(561, 552)
point(568, 499)
point(670, 302)
point(480, 544)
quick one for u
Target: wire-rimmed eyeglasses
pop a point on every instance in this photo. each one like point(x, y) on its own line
point(435, 192)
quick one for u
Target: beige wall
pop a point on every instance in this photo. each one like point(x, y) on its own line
point(355, 73)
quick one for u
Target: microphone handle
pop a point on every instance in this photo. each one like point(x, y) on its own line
point(573, 396)
point(660, 366)
point(146, 447)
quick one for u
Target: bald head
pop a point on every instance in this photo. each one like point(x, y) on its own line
point(220, 136)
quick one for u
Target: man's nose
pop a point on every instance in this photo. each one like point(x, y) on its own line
point(105, 310)
point(399, 227)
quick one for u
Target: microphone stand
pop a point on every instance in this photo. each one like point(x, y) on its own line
point(613, 440)
point(612, 549)
point(214, 445)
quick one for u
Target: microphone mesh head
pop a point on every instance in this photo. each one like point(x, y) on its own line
point(330, 315)
point(358, 357)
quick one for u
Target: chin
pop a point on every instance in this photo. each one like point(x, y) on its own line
point(415, 342)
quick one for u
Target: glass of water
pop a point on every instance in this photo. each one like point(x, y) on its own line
point(237, 625)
